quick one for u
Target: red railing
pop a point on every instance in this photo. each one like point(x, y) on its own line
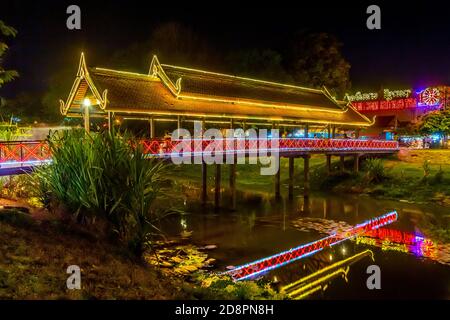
point(35, 151)
point(168, 146)
point(24, 151)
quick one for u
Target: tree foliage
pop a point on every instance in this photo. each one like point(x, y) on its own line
point(265, 64)
point(316, 60)
point(6, 75)
point(173, 43)
point(436, 122)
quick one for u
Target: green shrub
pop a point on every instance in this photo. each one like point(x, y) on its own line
point(104, 176)
point(426, 169)
point(439, 176)
point(375, 170)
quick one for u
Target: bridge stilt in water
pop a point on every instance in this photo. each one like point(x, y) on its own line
point(217, 181)
point(306, 175)
point(328, 163)
point(291, 178)
point(233, 185)
point(356, 163)
point(342, 163)
point(277, 184)
point(204, 183)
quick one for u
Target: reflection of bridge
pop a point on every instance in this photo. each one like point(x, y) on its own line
point(252, 269)
point(21, 156)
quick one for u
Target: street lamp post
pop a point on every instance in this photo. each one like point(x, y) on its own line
point(86, 104)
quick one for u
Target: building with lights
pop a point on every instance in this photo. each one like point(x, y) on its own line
point(182, 95)
point(395, 110)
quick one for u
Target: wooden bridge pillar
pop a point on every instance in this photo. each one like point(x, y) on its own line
point(204, 182)
point(329, 131)
point(356, 163)
point(306, 175)
point(328, 165)
point(277, 183)
point(333, 133)
point(233, 175)
point(306, 130)
point(342, 164)
point(291, 178)
point(233, 184)
point(217, 181)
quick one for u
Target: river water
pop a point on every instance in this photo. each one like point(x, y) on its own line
point(411, 265)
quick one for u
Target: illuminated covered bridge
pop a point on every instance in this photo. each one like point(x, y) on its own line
point(317, 122)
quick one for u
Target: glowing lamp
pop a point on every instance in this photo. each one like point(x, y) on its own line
point(86, 102)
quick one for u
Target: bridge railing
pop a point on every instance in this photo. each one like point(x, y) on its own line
point(29, 152)
point(24, 152)
point(167, 146)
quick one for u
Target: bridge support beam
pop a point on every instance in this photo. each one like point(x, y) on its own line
point(328, 165)
point(356, 163)
point(342, 164)
point(306, 130)
point(218, 180)
point(233, 184)
point(277, 184)
point(291, 178)
point(306, 186)
point(204, 183)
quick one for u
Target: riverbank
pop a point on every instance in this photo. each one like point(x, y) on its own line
point(35, 254)
point(36, 251)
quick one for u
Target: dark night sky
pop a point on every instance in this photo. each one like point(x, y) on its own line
point(412, 49)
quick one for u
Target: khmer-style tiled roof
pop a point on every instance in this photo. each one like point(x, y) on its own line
point(171, 90)
point(209, 84)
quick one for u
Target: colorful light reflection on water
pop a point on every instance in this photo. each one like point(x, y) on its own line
point(396, 240)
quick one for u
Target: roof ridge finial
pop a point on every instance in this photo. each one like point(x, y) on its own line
point(82, 68)
point(154, 64)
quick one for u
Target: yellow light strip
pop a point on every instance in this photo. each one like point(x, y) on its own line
point(209, 115)
point(242, 78)
point(340, 271)
point(335, 265)
point(260, 104)
point(310, 292)
point(134, 74)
